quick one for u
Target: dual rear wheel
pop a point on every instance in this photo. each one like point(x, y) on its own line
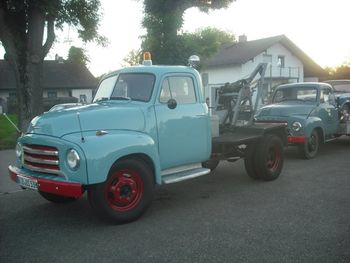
point(264, 160)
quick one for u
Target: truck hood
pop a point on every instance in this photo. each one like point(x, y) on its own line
point(285, 110)
point(343, 97)
point(92, 117)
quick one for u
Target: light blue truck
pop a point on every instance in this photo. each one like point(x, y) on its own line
point(147, 125)
point(313, 112)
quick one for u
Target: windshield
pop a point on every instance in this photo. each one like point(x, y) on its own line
point(126, 86)
point(295, 93)
point(341, 87)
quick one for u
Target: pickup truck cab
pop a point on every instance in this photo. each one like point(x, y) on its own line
point(147, 125)
point(312, 112)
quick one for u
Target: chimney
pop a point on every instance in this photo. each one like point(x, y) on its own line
point(59, 59)
point(242, 38)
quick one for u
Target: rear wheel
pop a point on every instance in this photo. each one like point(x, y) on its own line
point(59, 199)
point(126, 194)
point(309, 149)
point(268, 159)
point(249, 161)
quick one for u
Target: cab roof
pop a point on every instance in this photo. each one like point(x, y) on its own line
point(154, 69)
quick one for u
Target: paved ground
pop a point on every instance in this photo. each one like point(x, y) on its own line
point(303, 216)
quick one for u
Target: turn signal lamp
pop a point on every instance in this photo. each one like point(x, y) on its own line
point(147, 60)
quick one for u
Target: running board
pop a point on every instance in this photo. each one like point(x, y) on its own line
point(185, 175)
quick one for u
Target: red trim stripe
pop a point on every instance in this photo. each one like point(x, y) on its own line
point(296, 139)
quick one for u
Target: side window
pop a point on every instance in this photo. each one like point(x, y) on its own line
point(327, 96)
point(180, 88)
point(165, 94)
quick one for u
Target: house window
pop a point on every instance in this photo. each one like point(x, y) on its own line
point(280, 61)
point(52, 94)
point(83, 98)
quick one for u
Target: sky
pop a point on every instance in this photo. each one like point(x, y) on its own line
point(318, 27)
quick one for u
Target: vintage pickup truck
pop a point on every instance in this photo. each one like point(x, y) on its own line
point(313, 112)
point(147, 125)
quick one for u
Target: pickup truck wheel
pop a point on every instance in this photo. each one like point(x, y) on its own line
point(309, 149)
point(59, 199)
point(210, 164)
point(249, 161)
point(126, 194)
point(269, 158)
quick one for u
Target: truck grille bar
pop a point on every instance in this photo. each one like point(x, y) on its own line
point(42, 159)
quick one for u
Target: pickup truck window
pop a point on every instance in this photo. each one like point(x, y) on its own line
point(180, 88)
point(295, 93)
point(128, 86)
point(105, 89)
point(327, 96)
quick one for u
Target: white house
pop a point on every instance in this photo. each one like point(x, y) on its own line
point(286, 63)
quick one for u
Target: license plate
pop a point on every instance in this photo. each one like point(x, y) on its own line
point(27, 182)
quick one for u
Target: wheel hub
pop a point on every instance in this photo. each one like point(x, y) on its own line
point(124, 190)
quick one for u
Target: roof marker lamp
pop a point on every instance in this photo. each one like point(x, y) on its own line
point(147, 60)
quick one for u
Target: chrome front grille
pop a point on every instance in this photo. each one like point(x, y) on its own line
point(40, 158)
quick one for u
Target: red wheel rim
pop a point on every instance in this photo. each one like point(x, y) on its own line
point(124, 190)
point(273, 158)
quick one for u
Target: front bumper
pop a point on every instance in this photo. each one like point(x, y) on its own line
point(68, 189)
point(296, 139)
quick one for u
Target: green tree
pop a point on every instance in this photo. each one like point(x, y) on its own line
point(163, 20)
point(22, 33)
point(78, 55)
point(340, 72)
point(134, 57)
point(204, 43)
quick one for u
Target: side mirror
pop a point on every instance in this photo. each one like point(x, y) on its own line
point(172, 104)
point(338, 101)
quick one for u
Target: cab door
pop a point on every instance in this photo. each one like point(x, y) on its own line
point(328, 111)
point(182, 122)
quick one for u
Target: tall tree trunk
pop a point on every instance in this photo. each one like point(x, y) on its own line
point(30, 91)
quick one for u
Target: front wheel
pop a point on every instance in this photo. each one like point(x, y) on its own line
point(268, 159)
point(309, 149)
point(126, 194)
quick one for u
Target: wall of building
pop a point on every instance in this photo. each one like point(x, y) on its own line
point(291, 71)
point(78, 92)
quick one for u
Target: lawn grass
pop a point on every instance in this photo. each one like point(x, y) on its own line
point(8, 133)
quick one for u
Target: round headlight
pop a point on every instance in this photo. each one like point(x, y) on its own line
point(296, 126)
point(73, 159)
point(19, 150)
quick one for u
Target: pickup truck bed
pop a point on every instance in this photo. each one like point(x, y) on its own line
point(247, 134)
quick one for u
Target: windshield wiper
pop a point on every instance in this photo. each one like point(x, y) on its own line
point(101, 99)
point(120, 98)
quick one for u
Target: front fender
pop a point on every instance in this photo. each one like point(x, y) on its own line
point(103, 151)
point(313, 123)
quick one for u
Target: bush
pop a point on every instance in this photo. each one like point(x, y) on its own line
point(8, 133)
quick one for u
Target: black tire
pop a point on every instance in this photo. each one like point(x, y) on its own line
point(249, 161)
point(126, 194)
point(309, 149)
point(210, 164)
point(58, 199)
point(269, 156)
